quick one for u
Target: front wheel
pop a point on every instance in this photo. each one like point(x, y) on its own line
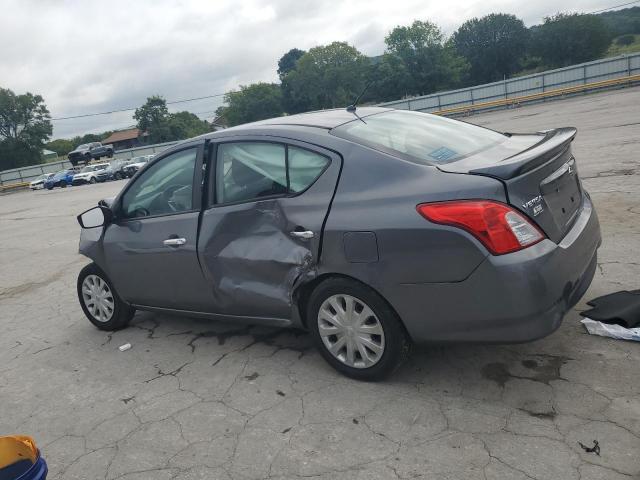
point(99, 300)
point(355, 329)
point(92, 180)
point(118, 176)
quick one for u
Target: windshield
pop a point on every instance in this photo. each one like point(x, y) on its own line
point(427, 139)
point(84, 146)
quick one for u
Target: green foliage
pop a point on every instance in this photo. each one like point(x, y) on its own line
point(566, 39)
point(251, 103)
point(619, 22)
point(391, 79)
point(617, 48)
point(61, 146)
point(624, 40)
point(326, 77)
point(432, 63)
point(493, 45)
point(153, 118)
point(25, 126)
point(287, 62)
point(186, 125)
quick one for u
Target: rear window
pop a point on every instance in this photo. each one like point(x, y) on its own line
point(424, 138)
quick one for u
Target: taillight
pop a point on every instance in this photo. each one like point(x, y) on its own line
point(499, 227)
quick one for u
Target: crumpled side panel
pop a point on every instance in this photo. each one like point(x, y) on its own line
point(251, 260)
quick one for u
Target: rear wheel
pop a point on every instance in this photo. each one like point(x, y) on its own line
point(63, 184)
point(99, 300)
point(355, 330)
point(92, 180)
point(117, 176)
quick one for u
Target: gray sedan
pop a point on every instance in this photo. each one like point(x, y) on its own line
point(372, 229)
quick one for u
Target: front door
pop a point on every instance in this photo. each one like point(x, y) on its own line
point(263, 229)
point(151, 249)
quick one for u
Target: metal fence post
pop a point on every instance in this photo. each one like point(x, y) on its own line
point(584, 74)
point(628, 66)
point(471, 93)
point(543, 83)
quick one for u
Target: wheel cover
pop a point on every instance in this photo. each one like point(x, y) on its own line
point(350, 331)
point(98, 298)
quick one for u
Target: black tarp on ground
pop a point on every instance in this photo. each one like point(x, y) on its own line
point(619, 308)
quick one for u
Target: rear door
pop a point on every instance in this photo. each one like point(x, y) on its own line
point(151, 249)
point(262, 231)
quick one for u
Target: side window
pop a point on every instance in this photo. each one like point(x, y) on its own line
point(304, 168)
point(163, 188)
point(249, 170)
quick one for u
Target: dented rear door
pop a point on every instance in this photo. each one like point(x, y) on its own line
point(253, 252)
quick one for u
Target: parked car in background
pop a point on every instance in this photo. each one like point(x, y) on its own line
point(136, 164)
point(38, 183)
point(90, 151)
point(63, 179)
point(89, 174)
point(114, 171)
point(373, 230)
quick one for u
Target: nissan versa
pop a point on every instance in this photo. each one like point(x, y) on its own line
point(372, 229)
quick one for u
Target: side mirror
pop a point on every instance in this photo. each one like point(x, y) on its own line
point(95, 217)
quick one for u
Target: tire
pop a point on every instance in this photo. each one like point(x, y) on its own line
point(392, 344)
point(117, 176)
point(110, 155)
point(87, 159)
point(105, 318)
point(50, 188)
point(92, 180)
point(63, 184)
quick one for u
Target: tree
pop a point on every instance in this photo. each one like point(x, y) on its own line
point(432, 63)
point(25, 126)
point(390, 79)
point(326, 77)
point(153, 118)
point(625, 20)
point(186, 125)
point(288, 61)
point(493, 45)
point(251, 103)
point(61, 146)
point(566, 39)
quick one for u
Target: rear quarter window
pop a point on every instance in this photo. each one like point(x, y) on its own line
point(419, 137)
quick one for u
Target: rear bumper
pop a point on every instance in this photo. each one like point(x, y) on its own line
point(511, 298)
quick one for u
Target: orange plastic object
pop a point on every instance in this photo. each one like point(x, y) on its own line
point(14, 448)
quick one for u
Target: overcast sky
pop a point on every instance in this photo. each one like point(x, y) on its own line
point(94, 56)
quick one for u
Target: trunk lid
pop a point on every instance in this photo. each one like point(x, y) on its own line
point(539, 174)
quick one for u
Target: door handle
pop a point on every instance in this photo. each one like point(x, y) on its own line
point(306, 234)
point(174, 242)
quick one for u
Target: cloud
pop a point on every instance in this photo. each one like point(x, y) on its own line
point(91, 56)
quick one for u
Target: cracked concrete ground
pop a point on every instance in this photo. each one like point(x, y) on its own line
point(195, 399)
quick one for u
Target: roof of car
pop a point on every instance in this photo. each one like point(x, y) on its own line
point(322, 118)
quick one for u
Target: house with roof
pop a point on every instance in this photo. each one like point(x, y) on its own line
point(128, 138)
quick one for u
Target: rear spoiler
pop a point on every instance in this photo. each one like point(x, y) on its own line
point(554, 142)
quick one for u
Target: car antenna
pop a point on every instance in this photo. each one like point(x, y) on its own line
point(352, 108)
